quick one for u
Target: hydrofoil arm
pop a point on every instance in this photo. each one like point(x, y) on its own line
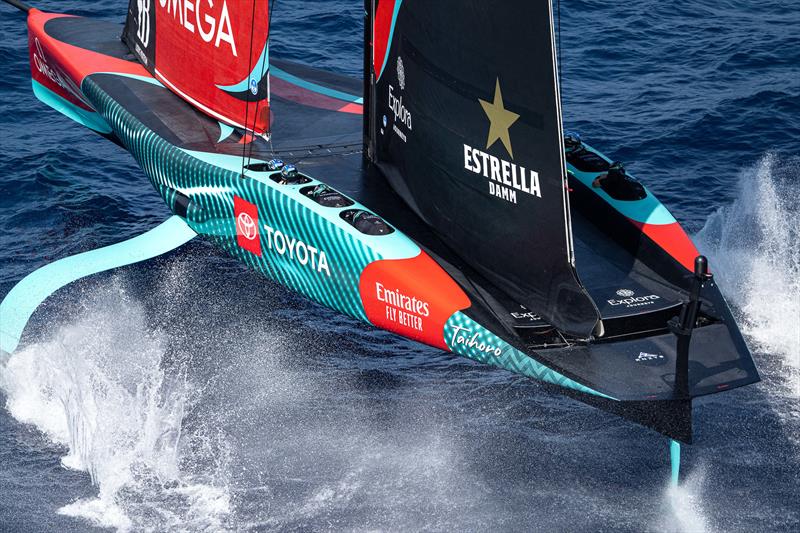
point(20, 303)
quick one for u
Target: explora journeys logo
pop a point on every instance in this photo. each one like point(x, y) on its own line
point(630, 300)
point(401, 113)
point(645, 357)
point(401, 73)
point(526, 315)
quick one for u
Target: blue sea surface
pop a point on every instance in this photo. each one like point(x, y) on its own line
point(190, 393)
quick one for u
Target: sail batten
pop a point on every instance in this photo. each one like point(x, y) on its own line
point(213, 54)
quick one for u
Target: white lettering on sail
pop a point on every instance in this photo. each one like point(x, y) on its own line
point(199, 16)
point(225, 33)
point(400, 111)
point(143, 24)
point(188, 6)
point(505, 178)
point(207, 36)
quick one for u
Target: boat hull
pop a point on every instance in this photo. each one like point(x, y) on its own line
point(403, 281)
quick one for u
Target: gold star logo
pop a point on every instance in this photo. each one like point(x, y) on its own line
point(500, 120)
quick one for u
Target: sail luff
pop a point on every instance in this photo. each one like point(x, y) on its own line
point(561, 149)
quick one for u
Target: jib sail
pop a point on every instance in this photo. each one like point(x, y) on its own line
point(212, 53)
point(465, 122)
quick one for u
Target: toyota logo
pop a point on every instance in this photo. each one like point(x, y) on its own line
point(246, 226)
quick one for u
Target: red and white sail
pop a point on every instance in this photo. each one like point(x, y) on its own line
point(212, 53)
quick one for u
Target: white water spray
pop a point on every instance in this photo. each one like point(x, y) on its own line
point(104, 387)
point(684, 509)
point(754, 248)
point(99, 388)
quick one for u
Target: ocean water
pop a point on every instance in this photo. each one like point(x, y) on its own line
point(192, 394)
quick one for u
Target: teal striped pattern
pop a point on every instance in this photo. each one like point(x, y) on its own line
point(211, 180)
point(466, 337)
point(211, 188)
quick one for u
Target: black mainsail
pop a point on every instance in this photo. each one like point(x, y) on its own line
point(464, 119)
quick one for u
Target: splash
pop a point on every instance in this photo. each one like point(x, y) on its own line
point(753, 245)
point(754, 248)
point(100, 386)
point(684, 511)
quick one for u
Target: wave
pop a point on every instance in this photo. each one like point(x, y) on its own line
point(102, 388)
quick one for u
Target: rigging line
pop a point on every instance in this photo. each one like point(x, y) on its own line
point(22, 6)
point(558, 10)
point(264, 66)
point(247, 101)
point(269, 95)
